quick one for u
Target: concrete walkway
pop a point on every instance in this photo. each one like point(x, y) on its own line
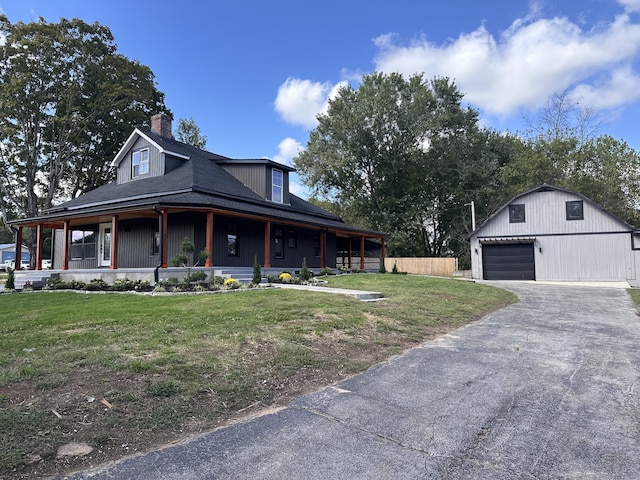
point(547, 388)
point(359, 294)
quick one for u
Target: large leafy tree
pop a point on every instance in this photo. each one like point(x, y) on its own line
point(394, 153)
point(563, 148)
point(67, 99)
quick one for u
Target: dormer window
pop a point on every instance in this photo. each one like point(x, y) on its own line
point(277, 180)
point(140, 163)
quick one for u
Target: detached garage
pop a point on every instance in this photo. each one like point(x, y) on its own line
point(550, 233)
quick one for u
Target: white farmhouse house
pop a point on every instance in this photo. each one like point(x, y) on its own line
point(550, 233)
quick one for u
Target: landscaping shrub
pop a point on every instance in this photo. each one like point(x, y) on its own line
point(305, 273)
point(11, 279)
point(257, 272)
point(199, 276)
point(231, 284)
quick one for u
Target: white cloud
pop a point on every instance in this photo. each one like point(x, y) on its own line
point(298, 190)
point(630, 5)
point(287, 150)
point(622, 87)
point(528, 62)
point(300, 101)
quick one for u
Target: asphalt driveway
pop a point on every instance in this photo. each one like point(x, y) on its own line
point(545, 389)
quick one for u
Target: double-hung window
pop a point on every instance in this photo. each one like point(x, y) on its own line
point(277, 178)
point(140, 163)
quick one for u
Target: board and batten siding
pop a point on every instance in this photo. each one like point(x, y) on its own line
point(156, 162)
point(253, 176)
point(135, 243)
point(545, 213)
point(597, 257)
point(597, 248)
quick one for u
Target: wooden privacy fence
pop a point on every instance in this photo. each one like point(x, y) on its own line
point(442, 267)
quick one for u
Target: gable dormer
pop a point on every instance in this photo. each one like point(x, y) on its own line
point(265, 177)
point(142, 156)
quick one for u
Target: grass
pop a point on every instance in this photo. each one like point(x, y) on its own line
point(634, 293)
point(124, 369)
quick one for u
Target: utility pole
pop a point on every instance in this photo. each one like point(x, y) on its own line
point(473, 215)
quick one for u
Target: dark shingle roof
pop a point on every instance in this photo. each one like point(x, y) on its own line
point(198, 181)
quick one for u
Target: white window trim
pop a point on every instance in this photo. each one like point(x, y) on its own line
point(280, 187)
point(141, 162)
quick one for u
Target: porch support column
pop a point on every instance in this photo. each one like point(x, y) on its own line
point(209, 261)
point(267, 244)
point(164, 240)
point(114, 242)
point(322, 237)
point(361, 252)
point(18, 263)
point(383, 254)
point(39, 247)
point(350, 253)
point(65, 246)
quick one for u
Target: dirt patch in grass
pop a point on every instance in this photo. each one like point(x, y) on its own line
point(119, 414)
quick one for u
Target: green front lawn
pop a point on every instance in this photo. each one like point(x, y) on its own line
point(126, 373)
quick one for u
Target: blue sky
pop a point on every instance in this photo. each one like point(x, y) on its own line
point(253, 73)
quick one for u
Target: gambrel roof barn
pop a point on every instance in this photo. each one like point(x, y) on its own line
point(554, 234)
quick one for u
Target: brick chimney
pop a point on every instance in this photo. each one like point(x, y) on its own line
point(161, 124)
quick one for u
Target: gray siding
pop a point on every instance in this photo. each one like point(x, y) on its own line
point(597, 248)
point(584, 257)
point(304, 248)
point(56, 249)
point(171, 163)
point(135, 243)
point(253, 176)
point(259, 178)
point(156, 162)
point(545, 213)
point(180, 226)
point(250, 242)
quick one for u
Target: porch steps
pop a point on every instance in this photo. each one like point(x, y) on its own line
point(242, 274)
point(36, 278)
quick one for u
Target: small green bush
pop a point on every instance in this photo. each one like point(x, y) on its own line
point(257, 272)
point(10, 284)
point(198, 276)
point(97, 284)
point(305, 273)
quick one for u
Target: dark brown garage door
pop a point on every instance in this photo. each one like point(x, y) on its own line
point(511, 261)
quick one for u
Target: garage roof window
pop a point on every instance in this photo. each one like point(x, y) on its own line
point(516, 213)
point(574, 210)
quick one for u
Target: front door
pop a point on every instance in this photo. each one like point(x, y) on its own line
point(105, 245)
